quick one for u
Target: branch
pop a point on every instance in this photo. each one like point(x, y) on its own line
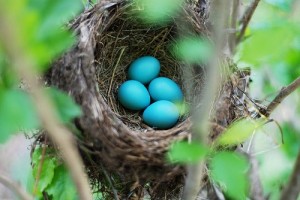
point(40, 167)
point(25, 68)
point(195, 172)
point(234, 16)
point(292, 190)
point(284, 92)
point(246, 19)
point(15, 188)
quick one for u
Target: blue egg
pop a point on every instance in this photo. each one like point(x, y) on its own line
point(161, 114)
point(133, 95)
point(163, 88)
point(144, 69)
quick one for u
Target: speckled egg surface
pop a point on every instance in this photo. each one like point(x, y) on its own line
point(144, 69)
point(161, 114)
point(163, 88)
point(133, 95)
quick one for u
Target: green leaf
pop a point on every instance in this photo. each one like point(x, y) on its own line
point(36, 155)
point(47, 169)
point(239, 131)
point(157, 11)
point(184, 152)
point(7, 77)
point(268, 44)
point(65, 105)
point(62, 187)
point(17, 112)
point(192, 49)
point(183, 108)
point(54, 13)
point(42, 27)
point(230, 171)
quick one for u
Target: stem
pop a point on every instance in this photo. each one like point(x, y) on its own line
point(15, 188)
point(234, 16)
point(195, 173)
point(40, 167)
point(246, 19)
point(25, 68)
point(284, 92)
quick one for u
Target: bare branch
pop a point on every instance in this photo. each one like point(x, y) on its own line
point(219, 19)
point(284, 92)
point(292, 189)
point(40, 167)
point(246, 19)
point(15, 188)
point(234, 15)
point(25, 68)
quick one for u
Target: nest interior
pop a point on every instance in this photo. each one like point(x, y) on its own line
point(118, 149)
point(124, 39)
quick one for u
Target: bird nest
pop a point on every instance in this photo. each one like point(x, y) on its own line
point(120, 152)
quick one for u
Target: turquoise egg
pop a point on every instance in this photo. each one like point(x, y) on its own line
point(163, 88)
point(133, 95)
point(144, 69)
point(161, 114)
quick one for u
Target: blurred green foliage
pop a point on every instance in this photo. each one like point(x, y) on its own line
point(184, 152)
point(239, 131)
point(272, 48)
point(193, 50)
point(39, 28)
point(261, 48)
point(230, 170)
point(51, 176)
point(291, 144)
point(66, 107)
point(17, 112)
point(156, 11)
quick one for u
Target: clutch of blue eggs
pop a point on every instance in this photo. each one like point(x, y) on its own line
point(157, 96)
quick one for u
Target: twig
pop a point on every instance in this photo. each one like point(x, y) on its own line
point(115, 192)
point(15, 188)
point(25, 68)
point(292, 190)
point(284, 92)
point(194, 180)
point(246, 19)
point(40, 167)
point(234, 16)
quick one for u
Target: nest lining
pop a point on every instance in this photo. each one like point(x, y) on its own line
point(123, 41)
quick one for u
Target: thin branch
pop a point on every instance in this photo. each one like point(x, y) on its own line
point(40, 167)
point(25, 68)
point(194, 180)
point(246, 19)
point(15, 188)
point(234, 15)
point(284, 92)
point(115, 192)
point(292, 189)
